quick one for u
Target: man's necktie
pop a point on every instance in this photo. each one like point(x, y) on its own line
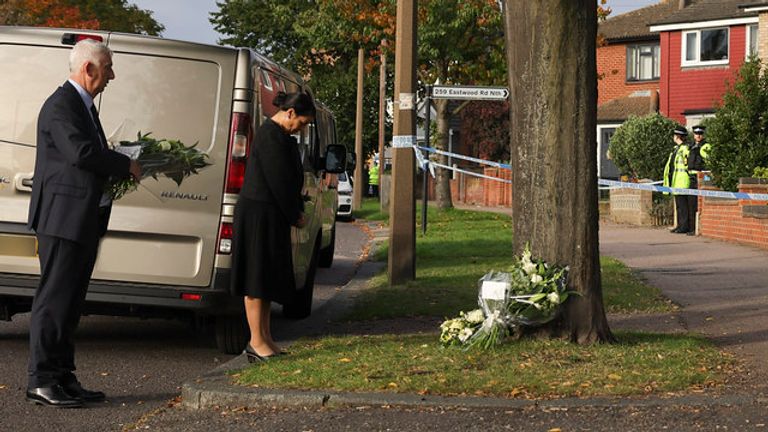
point(95, 115)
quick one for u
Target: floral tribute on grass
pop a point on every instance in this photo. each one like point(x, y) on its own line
point(169, 158)
point(530, 294)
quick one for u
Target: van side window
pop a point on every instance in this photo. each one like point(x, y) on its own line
point(265, 80)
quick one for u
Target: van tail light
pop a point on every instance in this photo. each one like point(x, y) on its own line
point(225, 238)
point(191, 297)
point(239, 148)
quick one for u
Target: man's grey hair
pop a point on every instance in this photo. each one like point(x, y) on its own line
point(87, 50)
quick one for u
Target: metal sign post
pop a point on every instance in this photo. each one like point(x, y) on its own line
point(427, 121)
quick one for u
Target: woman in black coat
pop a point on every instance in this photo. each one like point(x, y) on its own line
point(270, 203)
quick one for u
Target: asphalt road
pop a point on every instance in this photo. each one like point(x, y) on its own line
point(140, 364)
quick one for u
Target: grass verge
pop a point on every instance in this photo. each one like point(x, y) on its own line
point(641, 363)
point(461, 246)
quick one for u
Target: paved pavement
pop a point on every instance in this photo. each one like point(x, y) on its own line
point(723, 293)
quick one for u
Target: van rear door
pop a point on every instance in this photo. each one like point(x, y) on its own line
point(164, 233)
point(35, 63)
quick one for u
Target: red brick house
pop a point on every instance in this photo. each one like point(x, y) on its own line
point(703, 45)
point(629, 67)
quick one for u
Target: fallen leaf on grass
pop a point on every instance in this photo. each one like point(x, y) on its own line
point(344, 360)
point(615, 377)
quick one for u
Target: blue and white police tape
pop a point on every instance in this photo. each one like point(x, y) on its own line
point(611, 184)
point(467, 158)
point(681, 191)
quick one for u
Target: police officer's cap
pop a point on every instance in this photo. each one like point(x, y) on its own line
point(698, 129)
point(681, 131)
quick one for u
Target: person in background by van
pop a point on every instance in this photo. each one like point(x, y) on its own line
point(69, 213)
point(373, 179)
point(270, 203)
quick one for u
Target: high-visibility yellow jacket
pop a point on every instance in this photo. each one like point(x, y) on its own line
point(706, 149)
point(373, 175)
point(676, 171)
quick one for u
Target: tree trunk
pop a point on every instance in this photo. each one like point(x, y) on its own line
point(553, 112)
point(443, 180)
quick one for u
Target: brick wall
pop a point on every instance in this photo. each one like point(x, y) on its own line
point(612, 70)
point(469, 189)
point(740, 221)
point(696, 88)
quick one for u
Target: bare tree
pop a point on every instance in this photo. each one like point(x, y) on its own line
point(553, 98)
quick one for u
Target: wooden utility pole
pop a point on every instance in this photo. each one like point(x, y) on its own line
point(357, 192)
point(402, 210)
point(382, 116)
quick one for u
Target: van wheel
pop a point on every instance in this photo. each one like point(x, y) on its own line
point(302, 305)
point(326, 254)
point(232, 333)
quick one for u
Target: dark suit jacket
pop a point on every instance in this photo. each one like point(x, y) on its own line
point(274, 172)
point(72, 167)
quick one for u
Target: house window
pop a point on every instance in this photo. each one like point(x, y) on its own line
point(642, 62)
point(705, 47)
point(752, 38)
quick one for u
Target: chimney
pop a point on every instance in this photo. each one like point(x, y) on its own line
point(683, 4)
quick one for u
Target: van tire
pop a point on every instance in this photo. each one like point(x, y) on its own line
point(326, 254)
point(231, 333)
point(302, 306)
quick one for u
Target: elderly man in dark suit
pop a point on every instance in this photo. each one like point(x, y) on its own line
point(69, 212)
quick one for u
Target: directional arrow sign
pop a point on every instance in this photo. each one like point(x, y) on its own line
point(470, 92)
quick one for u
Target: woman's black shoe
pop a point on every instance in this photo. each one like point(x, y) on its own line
point(254, 357)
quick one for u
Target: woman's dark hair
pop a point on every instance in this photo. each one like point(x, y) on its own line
point(300, 102)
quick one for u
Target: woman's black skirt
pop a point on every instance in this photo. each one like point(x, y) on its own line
point(262, 263)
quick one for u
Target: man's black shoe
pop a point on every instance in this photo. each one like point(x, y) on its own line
point(691, 233)
point(53, 396)
point(77, 391)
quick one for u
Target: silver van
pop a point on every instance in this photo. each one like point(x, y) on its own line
point(167, 249)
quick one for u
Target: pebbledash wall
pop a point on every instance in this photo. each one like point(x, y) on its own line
point(741, 221)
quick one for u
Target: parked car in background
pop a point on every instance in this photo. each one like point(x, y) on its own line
point(346, 184)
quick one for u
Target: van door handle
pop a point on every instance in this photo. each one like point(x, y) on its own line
point(23, 182)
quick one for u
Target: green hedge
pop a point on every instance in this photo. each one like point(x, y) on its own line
point(640, 147)
point(738, 131)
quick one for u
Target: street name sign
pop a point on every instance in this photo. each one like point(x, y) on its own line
point(470, 92)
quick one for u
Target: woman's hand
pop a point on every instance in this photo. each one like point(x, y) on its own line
point(301, 222)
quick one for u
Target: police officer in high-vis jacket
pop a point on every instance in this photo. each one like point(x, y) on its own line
point(676, 176)
point(698, 152)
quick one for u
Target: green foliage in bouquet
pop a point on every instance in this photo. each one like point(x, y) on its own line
point(537, 290)
point(169, 158)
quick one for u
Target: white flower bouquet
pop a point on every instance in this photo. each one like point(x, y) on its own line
point(530, 294)
point(457, 331)
point(158, 157)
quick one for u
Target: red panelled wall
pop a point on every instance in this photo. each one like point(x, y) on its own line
point(696, 88)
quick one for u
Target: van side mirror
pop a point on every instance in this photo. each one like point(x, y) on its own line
point(335, 159)
point(352, 161)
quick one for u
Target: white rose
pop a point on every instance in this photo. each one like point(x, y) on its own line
point(475, 316)
point(165, 145)
point(529, 267)
point(553, 298)
point(456, 325)
point(465, 334)
point(535, 278)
